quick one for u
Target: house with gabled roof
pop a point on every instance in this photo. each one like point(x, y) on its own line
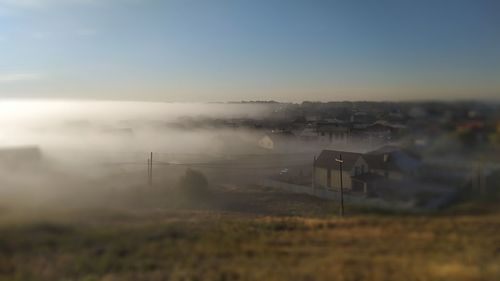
point(361, 171)
point(327, 169)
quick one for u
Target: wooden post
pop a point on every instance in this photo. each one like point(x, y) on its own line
point(341, 186)
point(481, 178)
point(151, 170)
point(313, 171)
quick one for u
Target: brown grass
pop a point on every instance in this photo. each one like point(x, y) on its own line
point(187, 245)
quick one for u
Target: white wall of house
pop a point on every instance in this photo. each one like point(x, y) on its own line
point(321, 175)
point(321, 178)
point(335, 136)
point(346, 179)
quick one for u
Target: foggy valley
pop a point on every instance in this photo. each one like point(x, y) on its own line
point(88, 154)
point(213, 140)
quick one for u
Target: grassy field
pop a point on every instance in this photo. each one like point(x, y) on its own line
point(220, 246)
point(233, 243)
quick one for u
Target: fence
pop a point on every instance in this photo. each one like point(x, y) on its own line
point(335, 196)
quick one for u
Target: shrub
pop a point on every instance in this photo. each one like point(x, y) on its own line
point(194, 183)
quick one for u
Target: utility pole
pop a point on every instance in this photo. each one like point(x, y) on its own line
point(481, 178)
point(340, 161)
point(151, 170)
point(313, 174)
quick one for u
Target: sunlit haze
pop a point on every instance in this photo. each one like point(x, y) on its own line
point(241, 140)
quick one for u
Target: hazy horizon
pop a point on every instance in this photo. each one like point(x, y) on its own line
point(494, 100)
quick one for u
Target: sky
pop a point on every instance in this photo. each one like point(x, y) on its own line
point(232, 50)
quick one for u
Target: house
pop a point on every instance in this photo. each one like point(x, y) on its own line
point(326, 169)
point(362, 117)
point(378, 131)
point(366, 183)
point(393, 163)
point(361, 172)
point(334, 131)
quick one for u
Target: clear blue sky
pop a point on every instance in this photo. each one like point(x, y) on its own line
point(220, 50)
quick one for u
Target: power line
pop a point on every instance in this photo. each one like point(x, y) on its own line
point(208, 165)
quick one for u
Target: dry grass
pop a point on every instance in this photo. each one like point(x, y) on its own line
point(186, 245)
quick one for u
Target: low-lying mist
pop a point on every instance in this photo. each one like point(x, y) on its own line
point(126, 126)
point(94, 153)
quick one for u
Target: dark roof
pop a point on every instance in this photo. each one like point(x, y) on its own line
point(378, 128)
point(327, 159)
point(21, 150)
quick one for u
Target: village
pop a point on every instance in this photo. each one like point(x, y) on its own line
point(395, 156)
